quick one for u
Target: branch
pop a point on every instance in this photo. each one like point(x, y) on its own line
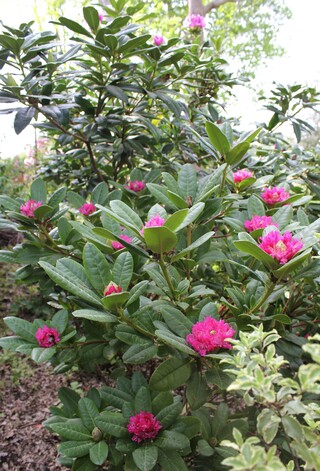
point(216, 4)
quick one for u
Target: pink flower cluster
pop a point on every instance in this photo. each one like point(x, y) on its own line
point(241, 175)
point(87, 208)
point(155, 221)
point(281, 247)
point(274, 195)
point(210, 334)
point(136, 186)
point(29, 207)
point(47, 336)
point(194, 21)
point(259, 222)
point(112, 288)
point(158, 39)
point(117, 245)
point(143, 426)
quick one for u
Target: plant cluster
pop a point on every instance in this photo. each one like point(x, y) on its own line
point(194, 286)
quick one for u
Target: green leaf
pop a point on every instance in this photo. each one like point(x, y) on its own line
point(43, 211)
point(22, 118)
point(160, 239)
point(172, 440)
point(188, 182)
point(133, 44)
point(174, 341)
point(169, 414)
point(237, 152)
point(126, 213)
point(161, 195)
point(177, 200)
point(93, 315)
point(255, 251)
point(96, 266)
point(88, 412)
point(122, 270)
point(69, 285)
point(283, 216)
point(117, 92)
point(142, 401)
point(193, 246)
point(69, 399)
point(75, 449)
point(217, 138)
point(171, 460)
point(192, 215)
point(92, 18)
point(112, 423)
point(268, 425)
point(12, 342)
point(145, 457)
point(122, 220)
point(83, 464)
point(99, 453)
point(197, 391)
point(176, 321)
point(292, 265)
point(137, 354)
point(22, 328)
point(9, 203)
point(72, 430)
point(41, 355)
point(57, 197)
point(38, 190)
point(74, 199)
point(218, 377)
point(74, 26)
point(171, 374)
point(113, 301)
point(100, 193)
point(255, 207)
point(292, 428)
point(138, 290)
point(176, 219)
point(60, 320)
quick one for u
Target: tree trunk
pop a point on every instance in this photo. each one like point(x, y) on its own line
point(197, 6)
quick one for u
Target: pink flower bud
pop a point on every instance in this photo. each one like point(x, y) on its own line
point(241, 175)
point(155, 221)
point(101, 16)
point(47, 336)
point(136, 186)
point(158, 39)
point(274, 195)
point(112, 288)
point(209, 335)
point(280, 247)
point(28, 208)
point(259, 222)
point(117, 245)
point(143, 426)
point(194, 21)
point(87, 208)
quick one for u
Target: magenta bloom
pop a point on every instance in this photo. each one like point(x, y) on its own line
point(241, 175)
point(136, 186)
point(101, 16)
point(281, 247)
point(158, 39)
point(87, 208)
point(194, 21)
point(210, 334)
point(259, 222)
point(47, 336)
point(29, 207)
point(117, 245)
point(274, 195)
point(143, 426)
point(112, 288)
point(155, 221)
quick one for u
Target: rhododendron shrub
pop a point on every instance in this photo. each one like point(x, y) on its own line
point(189, 283)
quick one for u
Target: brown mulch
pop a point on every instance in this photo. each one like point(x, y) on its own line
point(25, 444)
